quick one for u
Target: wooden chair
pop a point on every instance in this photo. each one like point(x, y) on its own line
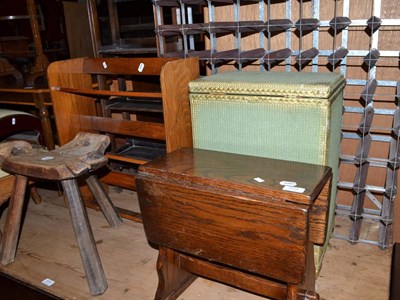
point(76, 159)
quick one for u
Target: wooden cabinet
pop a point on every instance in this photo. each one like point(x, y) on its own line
point(142, 103)
point(12, 47)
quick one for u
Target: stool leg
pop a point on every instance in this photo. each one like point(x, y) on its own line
point(84, 236)
point(35, 195)
point(13, 222)
point(106, 206)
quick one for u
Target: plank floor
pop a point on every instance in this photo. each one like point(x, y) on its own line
point(47, 249)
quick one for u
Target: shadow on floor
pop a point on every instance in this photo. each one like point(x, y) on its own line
point(13, 289)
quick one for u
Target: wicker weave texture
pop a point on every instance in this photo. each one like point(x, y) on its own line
point(282, 84)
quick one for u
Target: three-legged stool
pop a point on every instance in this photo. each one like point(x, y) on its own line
point(77, 159)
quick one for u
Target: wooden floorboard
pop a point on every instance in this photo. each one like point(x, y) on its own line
point(12, 289)
point(47, 249)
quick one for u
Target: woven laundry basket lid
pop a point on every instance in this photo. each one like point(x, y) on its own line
point(284, 84)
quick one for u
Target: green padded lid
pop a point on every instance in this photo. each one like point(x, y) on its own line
point(283, 84)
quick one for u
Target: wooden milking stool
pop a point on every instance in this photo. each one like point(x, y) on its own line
point(77, 159)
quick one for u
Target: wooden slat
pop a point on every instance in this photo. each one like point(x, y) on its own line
point(25, 91)
point(20, 103)
point(275, 290)
point(126, 159)
point(177, 116)
point(123, 127)
point(127, 66)
point(123, 180)
point(124, 213)
point(103, 93)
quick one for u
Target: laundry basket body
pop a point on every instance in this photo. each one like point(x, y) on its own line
point(282, 115)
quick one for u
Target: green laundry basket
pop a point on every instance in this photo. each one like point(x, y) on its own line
point(293, 116)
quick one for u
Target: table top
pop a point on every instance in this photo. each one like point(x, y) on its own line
point(25, 90)
point(22, 96)
point(299, 182)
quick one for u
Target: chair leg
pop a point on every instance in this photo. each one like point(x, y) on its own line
point(84, 236)
point(103, 200)
point(13, 223)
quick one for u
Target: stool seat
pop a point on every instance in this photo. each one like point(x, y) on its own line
point(82, 154)
point(13, 148)
point(76, 159)
point(6, 181)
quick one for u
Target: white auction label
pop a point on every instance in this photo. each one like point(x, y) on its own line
point(47, 158)
point(258, 179)
point(288, 183)
point(141, 67)
point(294, 189)
point(48, 282)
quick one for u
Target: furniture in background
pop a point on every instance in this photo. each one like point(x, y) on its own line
point(76, 20)
point(288, 116)
point(246, 221)
point(122, 28)
point(27, 98)
point(7, 69)
point(141, 103)
point(14, 123)
point(40, 60)
point(26, 92)
point(78, 159)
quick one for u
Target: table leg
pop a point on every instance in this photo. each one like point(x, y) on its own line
point(172, 280)
point(292, 292)
point(307, 288)
point(45, 120)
